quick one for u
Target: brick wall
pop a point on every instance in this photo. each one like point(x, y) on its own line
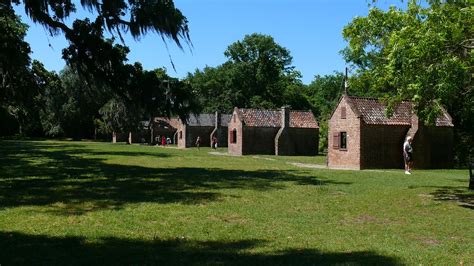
point(193, 132)
point(259, 140)
point(433, 147)
point(382, 146)
point(297, 141)
point(262, 140)
point(350, 157)
point(235, 123)
point(181, 135)
point(221, 134)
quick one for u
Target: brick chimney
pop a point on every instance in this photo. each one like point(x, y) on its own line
point(285, 116)
point(217, 122)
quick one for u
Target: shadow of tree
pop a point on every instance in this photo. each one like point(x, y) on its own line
point(463, 196)
point(22, 249)
point(34, 174)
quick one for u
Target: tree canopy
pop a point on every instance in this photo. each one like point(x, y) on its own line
point(117, 17)
point(257, 74)
point(421, 53)
point(97, 81)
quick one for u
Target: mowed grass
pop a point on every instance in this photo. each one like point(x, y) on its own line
point(113, 204)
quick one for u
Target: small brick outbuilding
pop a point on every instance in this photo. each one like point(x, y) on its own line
point(205, 126)
point(361, 136)
point(161, 126)
point(279, 132)
point(164, 126)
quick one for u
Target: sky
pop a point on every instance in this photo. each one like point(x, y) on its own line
point(310, 29)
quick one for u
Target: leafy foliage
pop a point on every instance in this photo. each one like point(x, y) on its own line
point(422, 53)
point(323, 93)
point(258, 74)
point(14, 53)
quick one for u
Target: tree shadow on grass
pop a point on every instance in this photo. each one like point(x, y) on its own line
point(463, 196)
point(459, 194)
point(70, 184)
point(22, 249)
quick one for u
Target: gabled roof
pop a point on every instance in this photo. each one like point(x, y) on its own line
point(272, 118)
point(444, 120)
point(303, 119)
point(372, 111)
point(259, 118)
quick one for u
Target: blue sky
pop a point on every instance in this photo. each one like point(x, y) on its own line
point(310, 29)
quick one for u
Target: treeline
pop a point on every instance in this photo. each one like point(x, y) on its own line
point(421, 53)
point(78, 104)
point(96, 93)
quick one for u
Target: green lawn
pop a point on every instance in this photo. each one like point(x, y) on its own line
point(100, 203)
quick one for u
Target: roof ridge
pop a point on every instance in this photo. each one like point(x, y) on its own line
point(291, 110)
point(259, 109)
point(374, 98)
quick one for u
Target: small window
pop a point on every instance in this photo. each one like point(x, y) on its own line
point(233, 117)
point(180, 134)
point(343, 140)
point(233, 136)
point(343, 112)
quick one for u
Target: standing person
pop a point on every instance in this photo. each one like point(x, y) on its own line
point(408, 155)
point(163, 140)
point(214, 142)
point(198, 142)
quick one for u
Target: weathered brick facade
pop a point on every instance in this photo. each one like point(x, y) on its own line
point(375, 141)
point(351, 124)
point(205, 126)
point(284, 132)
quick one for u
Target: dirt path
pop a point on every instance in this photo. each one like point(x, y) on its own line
point(308, 165)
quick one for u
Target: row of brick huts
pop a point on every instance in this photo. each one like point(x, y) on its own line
point(360, 135)
point(245, 131)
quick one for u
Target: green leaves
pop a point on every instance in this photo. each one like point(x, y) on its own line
point(418, 54)
point(258, 74)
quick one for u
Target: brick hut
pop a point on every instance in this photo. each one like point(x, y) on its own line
point(362, 136)
point(279, 132)
point(204, 126)
point(164, 126)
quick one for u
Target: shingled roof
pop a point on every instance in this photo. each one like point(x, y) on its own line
point(225, 119)
point(272, 118)
point(207, 120)
point(372, 111)
point(203, 120)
